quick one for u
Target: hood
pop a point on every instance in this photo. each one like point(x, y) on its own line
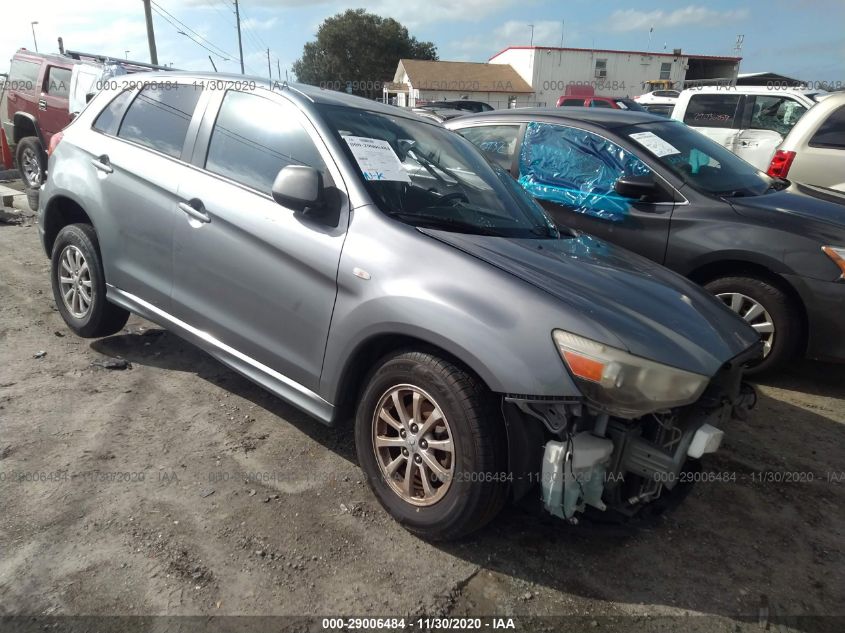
point(803, 201)
point(654, 312)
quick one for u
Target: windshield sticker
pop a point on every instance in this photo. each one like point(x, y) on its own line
point(376, 159)
point(654, 144)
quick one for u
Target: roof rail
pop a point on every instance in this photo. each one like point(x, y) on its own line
point(78, 55)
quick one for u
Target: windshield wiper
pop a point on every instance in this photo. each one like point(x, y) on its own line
point(444, 222)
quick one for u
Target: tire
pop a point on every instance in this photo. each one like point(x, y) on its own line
point(784, 314)
point(32, 162)
point(76, 248)
point(477, 485)
point(32, 197)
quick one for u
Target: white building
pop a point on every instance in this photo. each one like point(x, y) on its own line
point(610, 73)
point(417, 81)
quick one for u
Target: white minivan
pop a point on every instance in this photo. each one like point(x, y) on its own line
point(751, 121)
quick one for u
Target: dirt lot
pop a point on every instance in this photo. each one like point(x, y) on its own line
point(176, 487)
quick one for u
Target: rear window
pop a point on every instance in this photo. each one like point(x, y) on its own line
point(58, 82)
point(159, 117)
point(498, 142)
point(832, 131)
point(23, 74)
point(572, 102)
point(717, 110)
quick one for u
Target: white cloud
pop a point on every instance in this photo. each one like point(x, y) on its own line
point(511, 33)
point(411, 13)
point(633, 20)
point(259, 25)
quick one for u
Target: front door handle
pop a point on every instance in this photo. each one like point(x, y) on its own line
point(195, 209)
point(103, 164)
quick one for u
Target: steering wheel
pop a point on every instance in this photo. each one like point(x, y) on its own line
point(455, 196)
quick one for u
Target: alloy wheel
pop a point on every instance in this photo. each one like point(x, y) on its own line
point(75, 282)
point(754, 314)
point(31, 168)
point(413, 444)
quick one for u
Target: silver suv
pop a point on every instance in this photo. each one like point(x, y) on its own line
point(359, 261)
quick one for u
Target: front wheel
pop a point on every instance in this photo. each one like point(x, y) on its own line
point(79, 285)
point(767, 309)
point(431, 443)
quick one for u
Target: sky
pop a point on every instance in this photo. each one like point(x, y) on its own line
point(797, 38)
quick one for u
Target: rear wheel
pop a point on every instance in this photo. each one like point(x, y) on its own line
point(432, 445)
point(767, 309)
point(79, 286)
point(32, 162)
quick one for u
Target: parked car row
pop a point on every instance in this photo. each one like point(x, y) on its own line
point(770, 249)
point(362, 262)
point(754, 123)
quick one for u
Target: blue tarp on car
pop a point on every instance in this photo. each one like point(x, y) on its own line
point(577, 169)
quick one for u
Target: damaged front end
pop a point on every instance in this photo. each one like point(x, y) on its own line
point(616, 460)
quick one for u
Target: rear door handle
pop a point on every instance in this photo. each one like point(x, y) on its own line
point(195, 209)
point(102, 163)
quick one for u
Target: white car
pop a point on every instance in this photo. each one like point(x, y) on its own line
point(751, 121)
point(658, 97)
point(814, 151)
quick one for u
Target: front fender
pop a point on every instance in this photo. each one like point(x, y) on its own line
point(497, 325)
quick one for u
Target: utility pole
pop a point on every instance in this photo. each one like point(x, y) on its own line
point(269, 70)
point(212, 63)
point(151, 36)
point(240, 43)
point(279, 68)
point(35, 41)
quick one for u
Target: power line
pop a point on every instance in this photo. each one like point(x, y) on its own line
point(166, 19)
point(185, 27)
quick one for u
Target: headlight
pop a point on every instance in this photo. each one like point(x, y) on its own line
point(837, 254)
point(623, 384)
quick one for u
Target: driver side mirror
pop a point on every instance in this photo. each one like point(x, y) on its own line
point(300, 188)
point(640, 188)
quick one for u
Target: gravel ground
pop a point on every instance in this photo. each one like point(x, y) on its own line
point(176, 487)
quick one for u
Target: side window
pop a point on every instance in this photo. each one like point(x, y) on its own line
point(23, 74)
point(254, 137)
point(58, 82)
point(577, 169)
point(717, 110)
point(498, 142)
point(831, 133)
point(159, 116)
point(775, 113)
point(108, 120)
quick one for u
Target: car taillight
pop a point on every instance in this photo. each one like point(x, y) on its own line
point(781, 162)
point(54, 143)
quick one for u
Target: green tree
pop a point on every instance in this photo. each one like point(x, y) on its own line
point(360, 50)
